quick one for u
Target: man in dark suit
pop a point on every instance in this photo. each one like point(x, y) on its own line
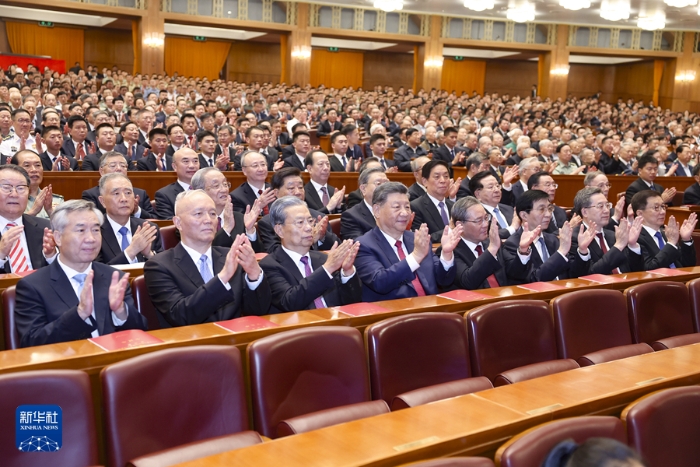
point(526, 169)
point(301, 143)
point(288, 182)
point(225, 144)
point(35, 248)
point(355, 197)
point(339, 159)
point(331, 124)
point(230, 223)
point(157, 158)
point(533, 255)
point(125, 239)
point(75, 297)
point(604, 251)
point(106, 138)
point(495, 157)
point(77, 145)
point(256, 143)
point(176, 138)
point(301, 278)
point(409, 151)
point(352, 133)
point(113, 162)
point(450, 152)
point(195, 282)
point(671, 248)
point(206, 141)
point(395, 263)
point(692, 193)
point(131, 146)
point(487, 190)
point(359, 219)
point(254, 167)
point(433, 208)
point(648, 168)
point(474, 164)
point(478, 257)
point(52, 159)
point(185, 163)
point(417, 189)
point(319, 194)
point(544, 182)
point(378, 144)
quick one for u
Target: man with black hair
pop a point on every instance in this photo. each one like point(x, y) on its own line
point(409, 151)
point(130, 147)
point(106, 139)
point(206, 141)
point(450, 152)
point(157, 158)
point(647, 168)
point(21, 139)
point(51, 158)
point(486, 188)
point(301, 141)
point(319, 195)
point(433, 208)
point(543, 181)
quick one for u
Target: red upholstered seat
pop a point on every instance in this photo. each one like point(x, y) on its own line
point(592, 327)
point(335, 226)
point(414, 351)
point(665, 427)
point(197, 450)
point(441, 391)
point(68, 389)
point(172, 397)
point(168, 238)
point(514, 337)
point(143, 302)
point(454, 462)
point(531, 447)
point(659, 314)
point(8, 316)
point(329, 417)
point(694, 294)
point(303, 371)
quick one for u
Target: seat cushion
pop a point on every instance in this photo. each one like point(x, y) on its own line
point(614, 353)
point(330, 417)
point(438, 392)
point(676, 341)
point(534, 371)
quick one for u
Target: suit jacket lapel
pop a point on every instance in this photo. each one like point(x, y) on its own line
point(62, 286)
point(367, 214)
point(288, 264)
point(35, 240)
point(109, 239)
point(100, 293)
point(432, 210)
point(386, 248)
point(187, 266)
point(311, 192)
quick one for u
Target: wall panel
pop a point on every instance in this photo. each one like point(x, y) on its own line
point(4, 44)
point(387, 68)
point(254, 61)
point(108, 47)
point(634, 81)
point(587, 80)
point(463, 76)
point(514, 77)
point(336, 69)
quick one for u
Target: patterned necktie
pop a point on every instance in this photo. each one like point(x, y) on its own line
point(218, 223)
point(543, 247)
point(18, 257)
point(324, 198)
point(660, 241)
point(493, 282)
point(416, 282)
point(163, 167)
point(318, 302)
point(124, 232)
point(204, 268)
point(604, 247)
point(443, 213)
point(81, 152)
point(266, 210)
point(501, 221)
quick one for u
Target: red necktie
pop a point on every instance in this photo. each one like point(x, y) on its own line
point(226, 151)
point(416, 282)
point(266, 210)
point(493, 282)
point(605, 249)
point(81, 152)
point(218, 224)
point(18, 258)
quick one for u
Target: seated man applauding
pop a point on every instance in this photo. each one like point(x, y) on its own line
point(395, 263)
point(303, 279)
point(195, 282)
point(75, 297)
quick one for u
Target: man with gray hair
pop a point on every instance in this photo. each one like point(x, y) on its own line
point(125, 239)
point(396, 263)
point(301, 278)
point(417, 190)
point(526, 168)
point(195, 282)
point(359, 219)
point(75, 297)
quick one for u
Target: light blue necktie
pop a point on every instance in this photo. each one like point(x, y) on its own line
point(80, 279)
point(660, 241)
point(204, 268)
point(125, 239)
point(501, 221)
point(543, 246)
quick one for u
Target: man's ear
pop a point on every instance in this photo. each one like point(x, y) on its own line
point(278, 230)
point(102, 200)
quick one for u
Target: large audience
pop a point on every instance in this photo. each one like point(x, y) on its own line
point(500, 225)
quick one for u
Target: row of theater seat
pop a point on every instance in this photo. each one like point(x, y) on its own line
point(309, 378)
point(664, 427)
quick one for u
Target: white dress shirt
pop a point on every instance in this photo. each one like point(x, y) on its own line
point(195, 255)
point(412, 263)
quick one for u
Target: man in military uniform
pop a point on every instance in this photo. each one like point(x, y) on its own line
point(20, 139)
point(41, 201)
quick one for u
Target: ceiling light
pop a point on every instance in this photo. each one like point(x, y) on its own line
point(575, 4)
point(680, 3)
point(521, 11)
point(388, 5)
point(479, 5)
point(615, 10)
point(652, 21)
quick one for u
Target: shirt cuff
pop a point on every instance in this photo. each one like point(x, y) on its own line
point(447, 264)
point(510, 229)
point(225, 284)
point(507, 188)
point(117, 321)
point(252, 237)
point(637, 250)
point(412, 263)
point(344, 279)
point(48, 260)
point(585, 257)
point(254, 285)
point(674, 246)
point(524, 258)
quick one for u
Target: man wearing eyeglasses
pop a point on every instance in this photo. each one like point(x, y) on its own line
point(605, 251)
point(230, 223)
point(114, 162)
point(543, 181)
point(600, 180)
point(534, 255)
point(479, 259)
point(21, 138)
point(671, 247)
point(301, 278)
point(487, 190)
point(26, 242)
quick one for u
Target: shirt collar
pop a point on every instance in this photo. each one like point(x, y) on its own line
point(318, 186)
point(296, 257)
point(195, 255)
point(70, 272)
point(472, 246)
point(116, 226)
point(184, 185)
point(649, 230)
point(390, 239)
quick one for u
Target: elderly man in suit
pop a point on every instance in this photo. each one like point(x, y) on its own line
point(359, 219)
point(487, 189)
point(26, 241)
point(185, 164)
point(319, 194)
point(75, 297)
point(254, 167)
point(648, 168)
point(604, 251)
point(113, 162)
point(671, 248)
point(125, 239)
point(301, 278)
point(196, 282)
point(396, 263)
point(433, 208)
point(479, 259)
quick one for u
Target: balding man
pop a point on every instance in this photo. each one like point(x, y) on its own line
point(254, 166)
point(196, 282)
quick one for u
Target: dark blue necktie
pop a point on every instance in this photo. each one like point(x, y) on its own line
point(660, 241)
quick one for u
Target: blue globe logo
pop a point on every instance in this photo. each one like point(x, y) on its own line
point(38, 444)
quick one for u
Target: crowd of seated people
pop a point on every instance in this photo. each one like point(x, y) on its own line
point(498, 226)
